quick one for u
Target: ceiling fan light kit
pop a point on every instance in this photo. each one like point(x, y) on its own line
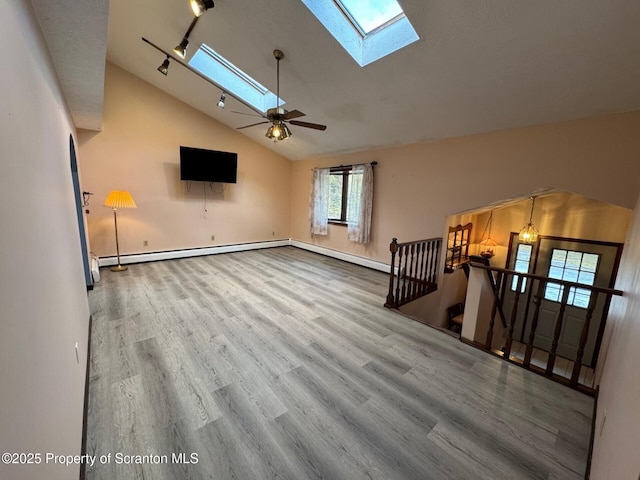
point(278, 117)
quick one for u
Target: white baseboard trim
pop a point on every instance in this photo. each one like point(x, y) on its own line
point(347, 257)
point(241, 247)
point(190, 252)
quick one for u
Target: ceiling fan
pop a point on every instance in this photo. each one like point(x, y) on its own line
point(279, 117)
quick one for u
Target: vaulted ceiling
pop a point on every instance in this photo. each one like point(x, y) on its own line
point(479, 65)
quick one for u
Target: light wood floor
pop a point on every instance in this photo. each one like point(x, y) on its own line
point(281, 363)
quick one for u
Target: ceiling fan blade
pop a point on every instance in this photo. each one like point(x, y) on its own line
point(252, 125)
point(249, 114)
point(308, 125)
point(292, 114)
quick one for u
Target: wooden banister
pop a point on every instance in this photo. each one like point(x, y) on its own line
point(413, 272)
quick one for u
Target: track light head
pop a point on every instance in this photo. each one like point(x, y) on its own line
point(223, 97)
point(200, 6)
point(164, 68)
point(181, 49)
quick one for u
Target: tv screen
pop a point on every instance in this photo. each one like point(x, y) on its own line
point(199, 165)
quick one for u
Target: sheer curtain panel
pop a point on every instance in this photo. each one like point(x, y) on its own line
point(319, 202)
point(360, 203)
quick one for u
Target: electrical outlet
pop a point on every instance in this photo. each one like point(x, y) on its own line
point(145, 243)
point(213, 237)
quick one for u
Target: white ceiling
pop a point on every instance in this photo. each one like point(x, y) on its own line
point(479, 65)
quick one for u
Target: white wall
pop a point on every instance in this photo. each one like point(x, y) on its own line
point(43, 300)
point(615, 454)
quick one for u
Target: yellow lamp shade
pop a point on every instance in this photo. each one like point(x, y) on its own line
point(120, 199)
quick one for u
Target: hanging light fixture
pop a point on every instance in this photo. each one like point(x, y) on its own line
point(181, 48)
point(200, 6)
point(278, 132)
point(528, 233)
point(487, 244)
point(223, 97)
point(164, 68)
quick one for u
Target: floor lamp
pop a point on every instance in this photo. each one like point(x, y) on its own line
point(115, 200)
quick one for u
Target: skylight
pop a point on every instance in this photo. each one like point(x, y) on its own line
point(233, 80)
point(367, 29)
point(370, 14)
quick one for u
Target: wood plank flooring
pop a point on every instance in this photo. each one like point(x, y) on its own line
point(283, 364)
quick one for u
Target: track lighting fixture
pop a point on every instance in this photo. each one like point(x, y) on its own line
point(200, 6)
point(181, 48)
point(223, 97)
point(164, 68)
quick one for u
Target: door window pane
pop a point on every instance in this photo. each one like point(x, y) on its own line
point(523, 259)
point(573, 266)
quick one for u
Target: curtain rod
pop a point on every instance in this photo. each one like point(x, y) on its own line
point(337, 167)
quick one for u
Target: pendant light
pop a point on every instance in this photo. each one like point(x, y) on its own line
point(528, 233)
point(487, 244)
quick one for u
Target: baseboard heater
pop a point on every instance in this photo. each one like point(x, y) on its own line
point(95, 268)
point(241, 247)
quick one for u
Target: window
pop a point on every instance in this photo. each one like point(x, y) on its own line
point(368, 30)
point(341, 182)
point(523, 259)
point(233, 80)
point(572, 266)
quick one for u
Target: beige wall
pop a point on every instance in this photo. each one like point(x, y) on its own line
point(418, 186)
point(43, 299)
point(615, 454)
point(138, 150)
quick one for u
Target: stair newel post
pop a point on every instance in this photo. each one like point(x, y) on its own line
point(577, 365)
point(393, 248)
point(542, 284)
point(556, 334)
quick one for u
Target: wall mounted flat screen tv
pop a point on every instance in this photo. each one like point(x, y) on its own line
point(199, 165)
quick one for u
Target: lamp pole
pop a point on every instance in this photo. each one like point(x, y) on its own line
point(118, 268)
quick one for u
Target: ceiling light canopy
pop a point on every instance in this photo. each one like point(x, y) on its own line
point(200, 6)
point(223, 97)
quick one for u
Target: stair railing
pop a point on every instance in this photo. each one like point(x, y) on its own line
point(414, 270)
point(538, 286)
